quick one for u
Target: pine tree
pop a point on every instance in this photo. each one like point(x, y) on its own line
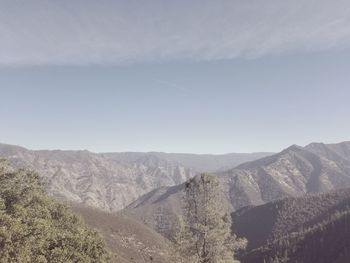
point(204, 233)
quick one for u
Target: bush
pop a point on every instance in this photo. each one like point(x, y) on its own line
point(35, 228)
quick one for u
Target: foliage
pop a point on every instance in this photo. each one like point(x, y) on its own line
point(204, 232)
point(34, 228)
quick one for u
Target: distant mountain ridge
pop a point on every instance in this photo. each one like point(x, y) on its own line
point(111, 181)
point(198, 162)
point(293, 172)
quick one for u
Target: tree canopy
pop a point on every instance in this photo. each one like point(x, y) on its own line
point(35, 228)
point(204, 233)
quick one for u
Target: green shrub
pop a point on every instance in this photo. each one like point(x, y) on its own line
point(35, 228)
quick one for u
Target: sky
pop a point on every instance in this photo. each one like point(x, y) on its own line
point(175, 76)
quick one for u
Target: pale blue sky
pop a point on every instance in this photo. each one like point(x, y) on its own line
point(229, 106)
point(177, 76)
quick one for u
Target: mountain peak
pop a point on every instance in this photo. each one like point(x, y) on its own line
point(293, 148)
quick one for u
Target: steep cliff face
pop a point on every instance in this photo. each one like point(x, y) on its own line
point(111, 181)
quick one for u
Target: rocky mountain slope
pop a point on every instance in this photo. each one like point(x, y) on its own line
point(293, 172)
point(110, 181)
point(312, 228)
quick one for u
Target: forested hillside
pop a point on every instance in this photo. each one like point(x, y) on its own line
point(34, 228)
point(312, 228)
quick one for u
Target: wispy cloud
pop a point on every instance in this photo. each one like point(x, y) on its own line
point(122, 31)
point(172, 86)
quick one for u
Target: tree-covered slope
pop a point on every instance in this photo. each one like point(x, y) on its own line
point(34, 228)
point(328, 241)
point(312, 228)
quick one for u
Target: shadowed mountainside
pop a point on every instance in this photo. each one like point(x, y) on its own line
point(312, 228)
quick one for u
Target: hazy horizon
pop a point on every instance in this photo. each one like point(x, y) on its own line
point(198, 153)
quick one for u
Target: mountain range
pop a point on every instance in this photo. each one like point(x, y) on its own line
point(111, 181)
point(293, 206)
point(293, 172)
